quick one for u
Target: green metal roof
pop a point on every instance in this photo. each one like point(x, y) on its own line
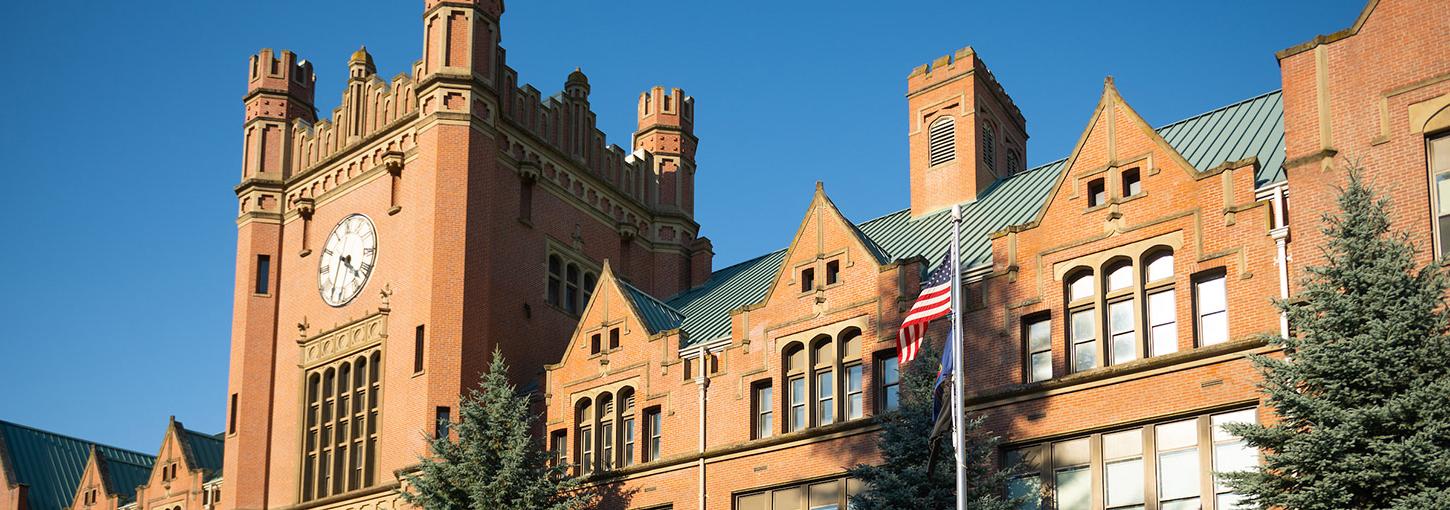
point(205, 452)
point(1252, 127)
point(656, 315)
point(52, 464)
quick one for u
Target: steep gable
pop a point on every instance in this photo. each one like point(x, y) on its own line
point(617, 304)
point(825, 242)
point(50, 465)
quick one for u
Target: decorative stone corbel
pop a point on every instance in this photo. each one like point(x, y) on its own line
point(302, 328)
point(528, 171)
point(305, 207)
point(385, 294)
point(627, 231)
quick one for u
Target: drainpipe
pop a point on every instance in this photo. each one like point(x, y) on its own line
point(1280, 234)
point(703, 381)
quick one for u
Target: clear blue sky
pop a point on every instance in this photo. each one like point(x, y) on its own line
point(121, 125)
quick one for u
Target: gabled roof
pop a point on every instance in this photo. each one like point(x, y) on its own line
point(1252, 127)
point(655, 314)
point(52, 464)
point(204, 451)
point(122, 477)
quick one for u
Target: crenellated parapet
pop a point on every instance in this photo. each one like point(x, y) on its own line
point(369, 105)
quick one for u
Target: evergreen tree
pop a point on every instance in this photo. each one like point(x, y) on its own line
point(901, 480)
point(1362, 394)
point(495, 463)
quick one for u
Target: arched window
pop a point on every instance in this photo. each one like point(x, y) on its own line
point(584, 421)
point(556, 279)
point(851, 368)
point(824, 360)
point(606, 431)
point(1082, 320)
point(989, 144)
point(795, 373)
point(1162, 303)
point(1159, 265)
point(1122, 321)
point(571, 288)
point(626, 427)
point(942, 140)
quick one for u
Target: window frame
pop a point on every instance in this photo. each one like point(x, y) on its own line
point(1029, 365)
point(1201, 279)
point(762, 409)
point(1439, 206)
point(887, 363)
point(1086, 307)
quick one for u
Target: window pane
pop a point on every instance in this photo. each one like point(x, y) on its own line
point(1230, 457)
point(1125, 483)
point(1232, 501)
point(890, 371)
point(1085, 356)
point(825, 406)
point(1027, 488)
point(1163, 335)
point(1211, 296)
point(1118, 445)
point(1042, 366)
point(1070, 453)
point(1120, 277)
point(1442, 188)
point(1082, 325)
point(1160, 267)
point(892, 398)
point(1182, 434)
point(1120, 323)
point(788, 499)
point(1178, 474)
point(1185, 504)
point(752, 502)
point(1081, 287)
point(1039, 335)
point(826, 496)
point(1074, 489)
point(1215, 328)
point(1219, 420)
point(853, 392)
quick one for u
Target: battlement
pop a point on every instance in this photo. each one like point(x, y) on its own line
point(954, 65)
point(285, 75)
point(668, 109)
point(493, 8)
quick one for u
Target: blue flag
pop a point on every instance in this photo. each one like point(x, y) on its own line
point(947, 366)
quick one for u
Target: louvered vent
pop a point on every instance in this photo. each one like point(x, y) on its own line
point(942, 141)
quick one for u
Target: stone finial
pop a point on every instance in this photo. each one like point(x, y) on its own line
point(386, 294)
point(302, 328)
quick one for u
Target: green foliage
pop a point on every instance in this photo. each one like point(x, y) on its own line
point(1363, 394)
point(901, 481)
point(495, 463)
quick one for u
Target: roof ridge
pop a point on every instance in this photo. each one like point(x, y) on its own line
point(74, 438)
point(649, 296)
point(1219, 109)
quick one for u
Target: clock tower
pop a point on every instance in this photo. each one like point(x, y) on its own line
point(386, 250)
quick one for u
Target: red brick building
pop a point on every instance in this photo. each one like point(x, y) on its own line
point(1112, 295)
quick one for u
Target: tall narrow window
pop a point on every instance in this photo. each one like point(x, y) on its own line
point(1123, 473)
point(1028, 482)
point(571, 288)
point(764, 402)
point(1212, 304)
point(590, 279)
point(1039, 349)
point(443, 421)
point(1072, 475)
point(1439, 155)
point(1082, 322)
point(232, 419)
point(989, 147)
point(1231, 453)
point(526, 201)
point(808, 279)
point(626, 426)
point(584, 435)
point(1162, 323)
point(1097, 193)
point(1178, 483)
point(833, 272)
point(556, 279)
point(1122, 326)
point(264, 273)
point(558, 443)
point(418, 349)
point(890, 382)
point(1132, 182)
point(652, 433)
point(795, 369)
point(825, 382)
point(1014, 162)
point(942, 141)
point(613, 338)
point(851, 365)
point(606, 432)
point(594, 341)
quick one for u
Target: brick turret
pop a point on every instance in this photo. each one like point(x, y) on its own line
point(980, 132)
point(667, 130)
point(279, 90)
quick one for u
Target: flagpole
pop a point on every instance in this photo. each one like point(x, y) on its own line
point(959, 364)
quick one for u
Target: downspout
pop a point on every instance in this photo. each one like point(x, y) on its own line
point(1280, 234)
point(703, 381)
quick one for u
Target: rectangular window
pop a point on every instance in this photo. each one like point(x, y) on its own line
point(1178, 468)
point(890, 383)
point(1123, 457)
point(594, 341)
point(442, 423)
point(1123, 332)
point(626, 427)
point(1084, 340)
point(825, 398)
point(797, 388)
point(1039, 349)
point(1439, 159)
point(854, 399)
point(264, 272)
point(808, 279)
point(1026, 485)
point(1230, 453)
point(764, 410)
point(1097, 193)
point(606, 442)
point(833, 272)
point(817, 495)
point(613, 338)
point(586, 449)
point(558, 443)
point(1072, 477)
point(1162, 323)
point(418, 349)
point(232, 420)
point(1132, 183)
point(1212, 311)
point(652, 434)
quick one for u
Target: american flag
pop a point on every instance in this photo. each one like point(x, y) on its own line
point(935, 301)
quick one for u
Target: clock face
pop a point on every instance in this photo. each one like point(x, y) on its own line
point(347, 260)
